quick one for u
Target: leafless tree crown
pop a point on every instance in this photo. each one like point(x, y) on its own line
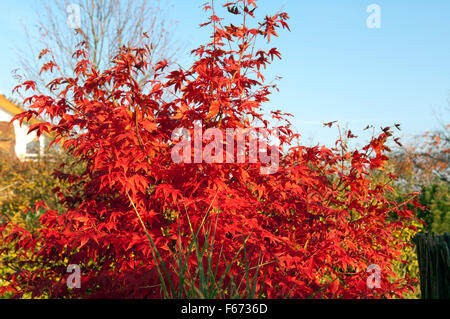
point(105, 26)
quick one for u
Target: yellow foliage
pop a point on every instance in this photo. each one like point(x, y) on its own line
point(22, 185)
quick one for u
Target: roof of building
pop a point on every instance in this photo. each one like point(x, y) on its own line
point(9, 106)
point(14, 109)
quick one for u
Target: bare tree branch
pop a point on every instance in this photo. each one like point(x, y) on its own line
point(105, 26)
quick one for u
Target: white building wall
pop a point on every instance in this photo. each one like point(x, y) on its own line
point(22, 138)
point(4, 115)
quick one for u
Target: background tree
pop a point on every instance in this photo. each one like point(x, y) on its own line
point(424, 167)
point(105, 26)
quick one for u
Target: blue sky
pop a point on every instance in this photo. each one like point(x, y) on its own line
point(333, 66)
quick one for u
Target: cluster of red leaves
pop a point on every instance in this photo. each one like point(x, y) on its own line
point(317, 223)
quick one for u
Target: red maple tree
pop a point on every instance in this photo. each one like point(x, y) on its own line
point(310, 229)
